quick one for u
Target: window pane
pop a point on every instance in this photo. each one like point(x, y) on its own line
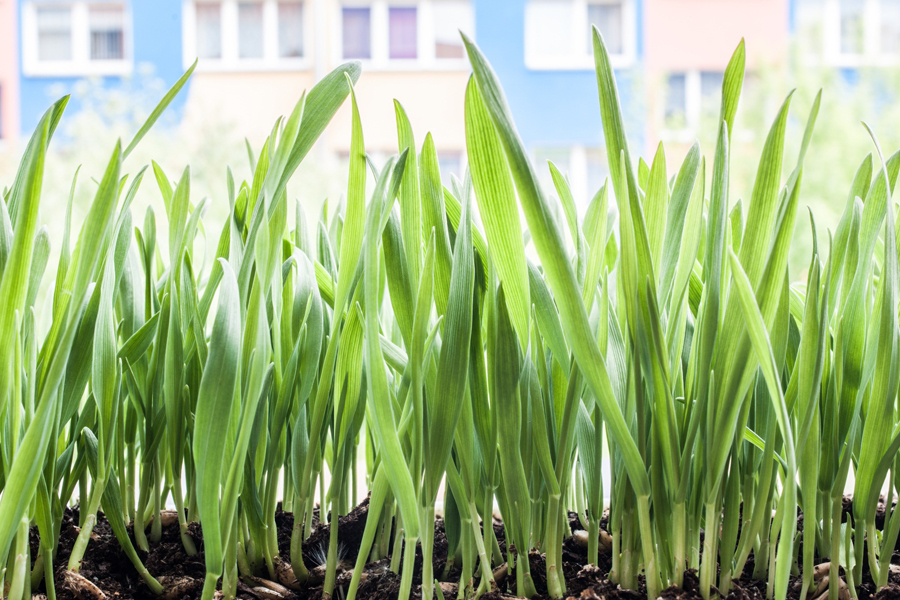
point(609, 20)
point(209, 30)
point(852, 19)
point(890, 26)
point(810, 14)
point(107, 32)
point(676, 101)
point(290, 29)
point(711, 92)
point(548, 29)
point(403, 28)
point(449, 164)
point(357, 32)
point(597, 171)
point(451, 17)
point(250, 29)
point(54, 25)
point(561, 157)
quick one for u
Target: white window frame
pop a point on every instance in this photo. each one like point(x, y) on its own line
point(230, 60)
point(380, 37)
point(872, 54)
point(693, 90)
point(583, 60)
point(81, 64)
point(693, 102)
point(576, 173)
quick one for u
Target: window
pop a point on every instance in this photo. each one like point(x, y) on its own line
point(609, 19)
point(584, 167)
point(290, 30)
point(451, 17)
point(357, 32)
point(75, 38)
point(245, 34)
point(549, 24)
point(692, 100)
point(209, 30)
point(597, 170)
point(851, 33)
point(809, 19)
point(676, 101)
point(558, 33)
point(711, 93)
point(890, 27)
point(107, 25)
point(250, 30)
point(402, 32)
point(450, 163)
point(54, 33)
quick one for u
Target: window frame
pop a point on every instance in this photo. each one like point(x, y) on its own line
point(426, 59)
point(831, 54)
point(80, 64)
point(693, 106)
point(583, 60)
point(576, 172)
point(230, 60)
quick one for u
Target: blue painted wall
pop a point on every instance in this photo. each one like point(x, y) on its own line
point(553, 108)
point(156, 40)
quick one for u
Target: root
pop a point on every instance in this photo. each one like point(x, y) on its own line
point(83, 587)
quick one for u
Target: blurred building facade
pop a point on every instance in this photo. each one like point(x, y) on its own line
point(9, 72)
point(542, 51)
point(257, 56)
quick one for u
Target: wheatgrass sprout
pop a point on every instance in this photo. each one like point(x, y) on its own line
point(406, 331)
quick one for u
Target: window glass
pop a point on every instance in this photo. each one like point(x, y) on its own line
point(711, 92)
point(597, 171)
point(54, 28)
point(852, 26)
point(290, 29)
point(403, 32)
point(561, 157)
point(107, 23)
point(250, 29)
point(809, 17)
point(548, 29)
point(609, 20)
point(890, 26)
point(676, 101)
point(357, 32)
point(451, 17)
point(209, 30)
point(449, 163)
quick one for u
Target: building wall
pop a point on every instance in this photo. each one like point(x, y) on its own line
point(153, 48)
point(551, 106)
point(557, 111)
point(433, 99)
point(9, 72)
point(674, 49)
point(762, 23)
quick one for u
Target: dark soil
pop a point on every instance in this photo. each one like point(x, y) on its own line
point(106, 566)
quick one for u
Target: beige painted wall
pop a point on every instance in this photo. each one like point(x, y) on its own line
point(433, 102)
point(702, 34)
point(249, 101)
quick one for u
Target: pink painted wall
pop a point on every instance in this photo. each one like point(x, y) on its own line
point(683, 35)
point(9, 67)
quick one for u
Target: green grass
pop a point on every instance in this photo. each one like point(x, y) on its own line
point(412, 328)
